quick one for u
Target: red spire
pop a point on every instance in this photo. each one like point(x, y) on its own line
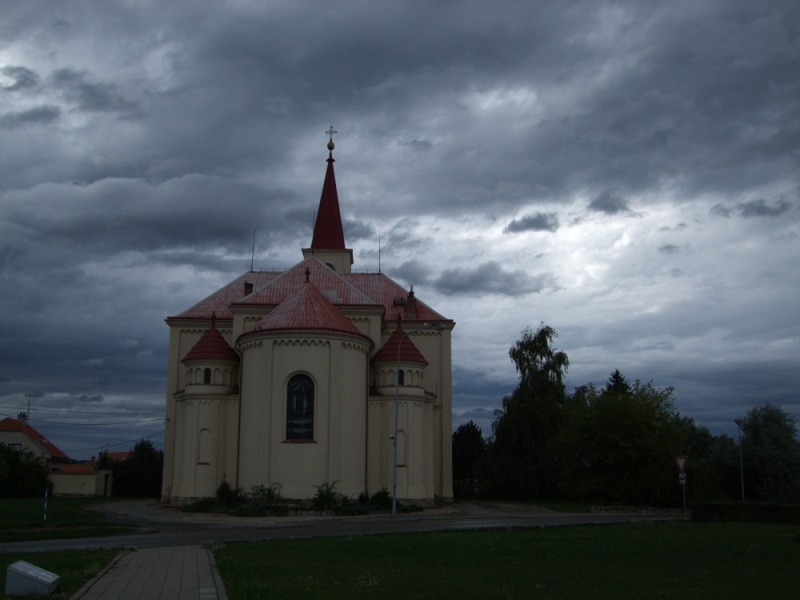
point(328, 231)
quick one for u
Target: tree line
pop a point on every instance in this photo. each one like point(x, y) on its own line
point(616, 444)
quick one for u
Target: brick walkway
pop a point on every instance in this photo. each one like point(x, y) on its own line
point(178, 573)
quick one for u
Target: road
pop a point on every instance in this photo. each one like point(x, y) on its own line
point(161, 526)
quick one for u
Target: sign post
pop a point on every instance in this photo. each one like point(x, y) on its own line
point(681, 462)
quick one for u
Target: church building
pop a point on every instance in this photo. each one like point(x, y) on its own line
point(316, 374)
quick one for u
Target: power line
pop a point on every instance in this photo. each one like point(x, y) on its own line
point(104, 446)
point(66, 410)
point(88, 424)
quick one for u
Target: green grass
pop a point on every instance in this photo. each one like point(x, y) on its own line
point(21, 519)
point(75, 568)
point(651, 560)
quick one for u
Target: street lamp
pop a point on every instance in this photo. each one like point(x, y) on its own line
point(741, 459)
point(438, 327)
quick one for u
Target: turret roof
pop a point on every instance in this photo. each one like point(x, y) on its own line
point(211, 346)
point(408, 350)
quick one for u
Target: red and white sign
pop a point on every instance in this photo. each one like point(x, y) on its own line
point(681, 461)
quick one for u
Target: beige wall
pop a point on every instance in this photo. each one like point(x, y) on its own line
point(98, 483)
point(338, 367)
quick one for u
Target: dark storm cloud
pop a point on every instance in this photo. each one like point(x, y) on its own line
point(489, 278)
point(534, 222)
point(90, 96)
point(609, 204)
point(761, 208)
point(35, 116)
point(21, 78)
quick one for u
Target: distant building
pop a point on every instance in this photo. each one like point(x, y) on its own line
point(69, 478)
point(290, 377)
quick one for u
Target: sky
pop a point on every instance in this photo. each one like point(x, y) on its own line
point(626, 172)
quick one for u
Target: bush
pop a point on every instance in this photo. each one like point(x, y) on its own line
point(381, 499)
point(228, 496)
point(327, 499)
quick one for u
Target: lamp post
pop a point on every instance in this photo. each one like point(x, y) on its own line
point(741, 458)
point(438, 327)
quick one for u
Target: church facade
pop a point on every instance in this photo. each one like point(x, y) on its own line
point(304, 376)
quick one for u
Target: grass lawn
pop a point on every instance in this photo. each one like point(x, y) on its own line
point(75, 568)
point(21, 519)
point(679, 560)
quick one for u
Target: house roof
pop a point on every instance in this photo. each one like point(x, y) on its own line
point(9, 424)
point(119, 456)
point(77, 469)
point(408, 351)
point(211, 346)
point(328, 231)
point(307, 310)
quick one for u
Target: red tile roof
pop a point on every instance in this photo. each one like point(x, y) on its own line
point(307, 310)
point(335, 287)
point(119, 456)
point(408, 350)
point(77, 469)
point(220, 301)
point(328, 231)
point(211, 346)
point(9, 424)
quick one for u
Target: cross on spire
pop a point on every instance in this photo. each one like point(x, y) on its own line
point(331, 145)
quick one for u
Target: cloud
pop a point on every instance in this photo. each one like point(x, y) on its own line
point(489, 277)
point(89, 96)
point(534, 222)
point(609, 204)
point(760, 208)
point(35, 116)
point(21, 78)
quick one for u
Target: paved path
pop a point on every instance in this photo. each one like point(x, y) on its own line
point(176, 573)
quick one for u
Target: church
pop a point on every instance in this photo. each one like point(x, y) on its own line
point(314, 374)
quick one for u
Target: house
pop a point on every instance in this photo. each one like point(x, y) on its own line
point(316, 374)
point(18, 435)
point(67, 477)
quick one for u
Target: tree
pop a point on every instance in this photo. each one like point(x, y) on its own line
point(468, 450)
point(140, 475)
point(23, 474)
point(771, 455)
point(618, 445)
point(523, 464)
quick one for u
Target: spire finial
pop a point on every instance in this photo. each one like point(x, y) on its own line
point(330, 133)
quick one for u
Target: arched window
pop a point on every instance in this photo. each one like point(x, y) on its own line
point(207, 376)
point(300, 408)
point(401, 377)
point(204, 447)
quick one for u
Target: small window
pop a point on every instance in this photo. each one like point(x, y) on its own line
point(207, 376)
point(15, 447)
point(300, 408)
point(401, 377)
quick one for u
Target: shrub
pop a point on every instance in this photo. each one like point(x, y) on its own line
point(327, 499)
point(381, 499)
